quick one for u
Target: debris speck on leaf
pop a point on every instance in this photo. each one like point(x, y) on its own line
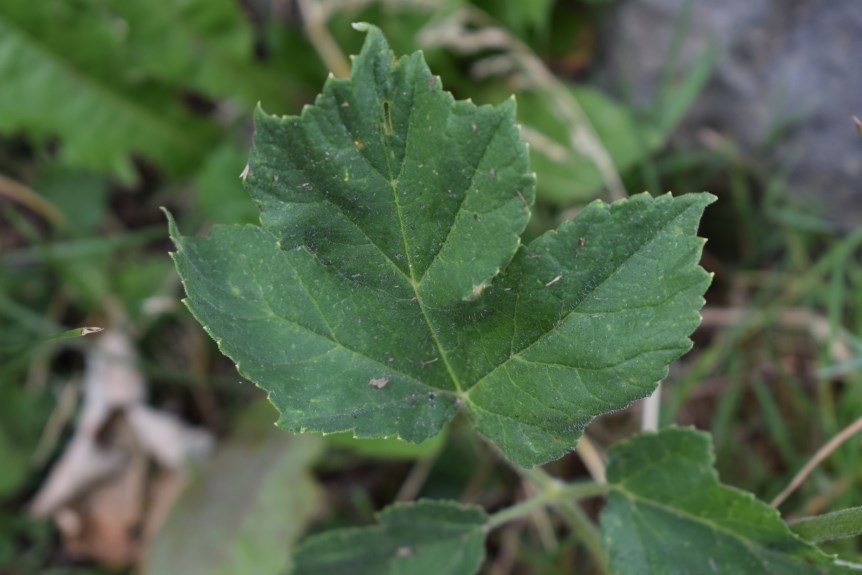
point(378, 382)
point(553, 281)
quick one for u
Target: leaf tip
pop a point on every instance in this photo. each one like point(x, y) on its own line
point(363, 26)
point(173, 230)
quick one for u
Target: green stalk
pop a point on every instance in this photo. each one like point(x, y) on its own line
point(553, 494)
point(563, 498)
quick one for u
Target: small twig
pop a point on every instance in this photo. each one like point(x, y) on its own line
point(593, 459)
point(416, 478)
point(651, 409)
point(25, 196)
point(821, 454)
point(509, 542)
point(541, 142)
point(314, 19)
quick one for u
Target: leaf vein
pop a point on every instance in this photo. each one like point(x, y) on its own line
point(463, 199)
point(207, 280)
point(574, 309)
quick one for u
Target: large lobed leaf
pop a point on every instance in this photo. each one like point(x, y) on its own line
point(668, 513)
point(440, 537)
point(388, 288)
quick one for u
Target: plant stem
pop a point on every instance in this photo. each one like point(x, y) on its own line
point(592, 458)
point(581, 525)
point(549, 494)
point(585, 530)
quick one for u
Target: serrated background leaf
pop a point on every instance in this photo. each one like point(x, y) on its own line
point(374, 300)
point(668, 513)
point(424, 538)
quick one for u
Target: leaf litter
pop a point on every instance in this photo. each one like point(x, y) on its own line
point(126, 462)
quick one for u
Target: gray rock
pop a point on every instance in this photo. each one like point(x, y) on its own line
point(787, 81)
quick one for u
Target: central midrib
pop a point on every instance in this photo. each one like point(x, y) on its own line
point(393, 184)
point(414, 286)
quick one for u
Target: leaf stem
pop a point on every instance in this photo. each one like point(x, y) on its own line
point(551, 493)
point(581, 525)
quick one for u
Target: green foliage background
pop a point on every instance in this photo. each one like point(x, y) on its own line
point(110, 109)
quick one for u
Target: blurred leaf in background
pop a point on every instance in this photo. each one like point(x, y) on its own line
point(246, 507)
point(64, 76)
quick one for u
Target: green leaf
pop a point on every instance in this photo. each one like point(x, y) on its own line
point(388, 448)
point(15, 465)
point(218, 198)
point(246, 509)
point(381, 294)
point(839, 524)
point(668, 513)
point(22, 417)
point(520, 16)
point(204, 45)
point(63, 76)
point(428, 537)
point(82, 197)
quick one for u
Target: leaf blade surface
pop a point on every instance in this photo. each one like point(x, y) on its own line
point(387, 287)
point(668, 513)
point(427, 537)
